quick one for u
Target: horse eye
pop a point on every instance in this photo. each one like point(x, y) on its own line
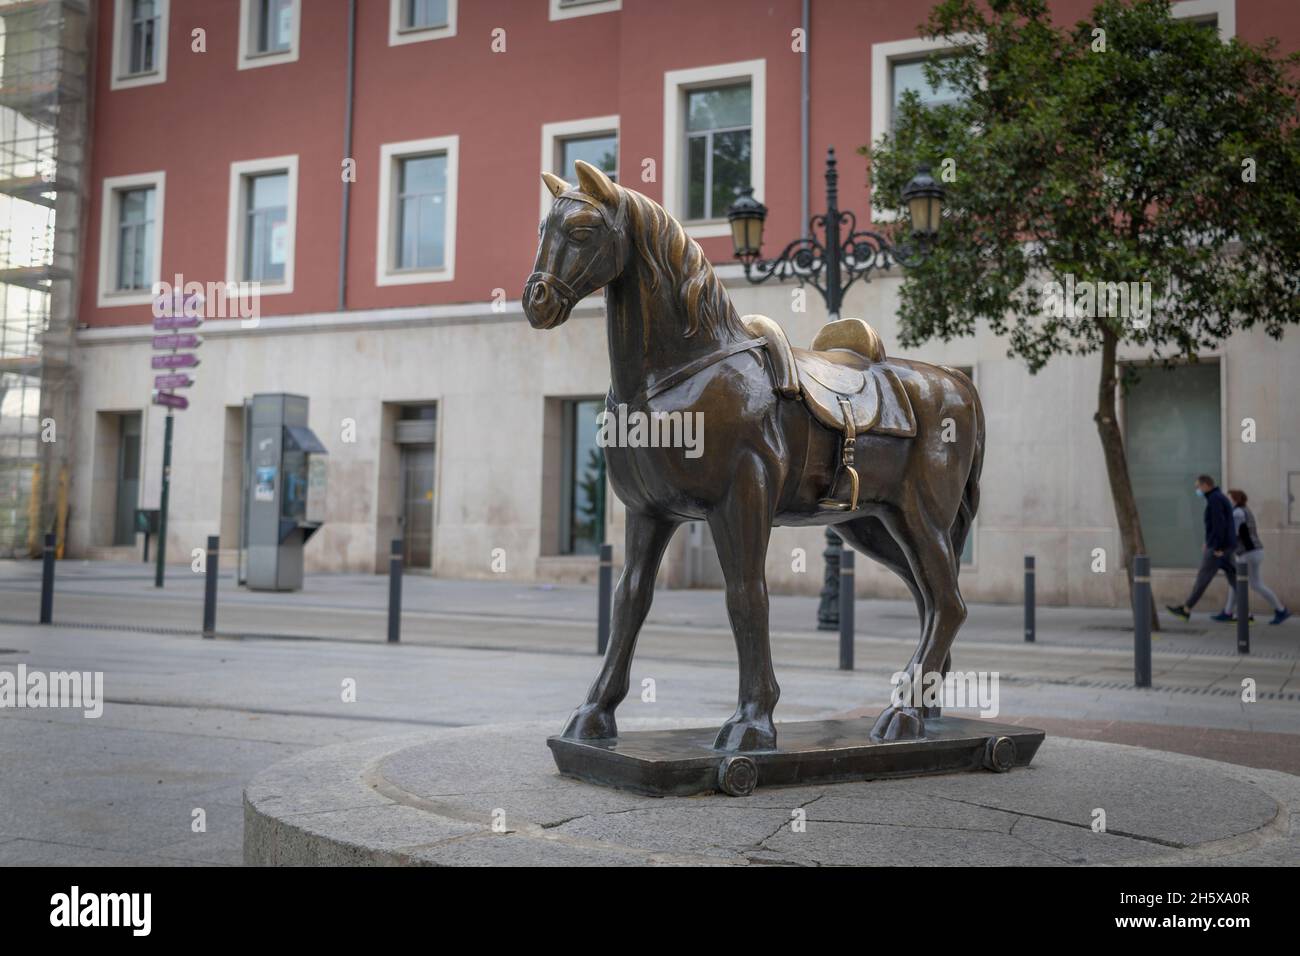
point(581, 234)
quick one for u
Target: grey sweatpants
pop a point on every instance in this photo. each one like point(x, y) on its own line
point(1254, 559)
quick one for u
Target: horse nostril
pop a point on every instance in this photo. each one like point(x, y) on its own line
point(538, 296)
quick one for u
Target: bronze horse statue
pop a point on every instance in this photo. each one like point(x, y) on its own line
point(784, 430)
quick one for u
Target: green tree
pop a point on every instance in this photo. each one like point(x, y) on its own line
point(1130, 147)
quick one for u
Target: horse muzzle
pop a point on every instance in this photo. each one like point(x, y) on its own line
point(547, 301)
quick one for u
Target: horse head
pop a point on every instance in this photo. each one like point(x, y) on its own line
point(583, 245)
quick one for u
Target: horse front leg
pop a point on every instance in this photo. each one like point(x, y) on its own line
point(741, 526)
point(647, 538)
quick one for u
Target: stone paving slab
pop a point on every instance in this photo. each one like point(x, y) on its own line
point(441, 792)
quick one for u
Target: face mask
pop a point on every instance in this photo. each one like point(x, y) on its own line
point(1200, 493)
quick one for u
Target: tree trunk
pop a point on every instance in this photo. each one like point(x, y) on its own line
point(1112, 446)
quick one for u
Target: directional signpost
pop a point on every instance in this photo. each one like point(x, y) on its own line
point(171, 314)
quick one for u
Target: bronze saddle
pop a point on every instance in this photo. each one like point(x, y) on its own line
point(844, 384)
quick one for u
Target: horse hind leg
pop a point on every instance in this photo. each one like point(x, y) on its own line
point(928, 547)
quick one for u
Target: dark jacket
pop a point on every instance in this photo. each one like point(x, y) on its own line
point(1219, 532)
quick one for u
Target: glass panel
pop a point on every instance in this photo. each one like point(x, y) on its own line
point(601, 151)
point(274, 25)
point(730, 169)
point(420, 14)
point(135, 238)
point(911, 76)
point(421, 212)
point(697, 172)
point(1171, 436)
point(143, 33)
point(718, 108)
point(266, 242)
point(585, 500)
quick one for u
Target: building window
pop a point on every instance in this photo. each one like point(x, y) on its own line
point(593, 140)
point(582, 507)
point(417, 211)
point(421, 212)
point(719, 138)
point(714, 121)
point(908, 76)
point(410, 21)
point(268, 32)
point(564, 9)
point(266, 227)
point(1220, 15)
point(263, 223)
point(140, 43)
point(130, 247)
point(1172, 433)
point(135, 225)
point(600, 151)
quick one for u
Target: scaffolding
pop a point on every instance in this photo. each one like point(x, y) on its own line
point(45, 57)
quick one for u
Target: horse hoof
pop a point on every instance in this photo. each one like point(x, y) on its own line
point(590, 723)
point(742, 735)
point(898, 723)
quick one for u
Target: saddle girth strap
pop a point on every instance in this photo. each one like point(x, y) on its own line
point(850, 441)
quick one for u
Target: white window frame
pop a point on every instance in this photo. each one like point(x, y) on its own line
point(555, 133)
point(1224, 12)
point(120, 78)
point(558, 12)
point(389, 154)
point(240, 172)
point(397, 35)
point(676, 85)
point(108, 296)
point(250, 59)
point(883, 58)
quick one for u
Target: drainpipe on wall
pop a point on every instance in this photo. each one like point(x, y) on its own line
point(804, 104)
point(347, 152)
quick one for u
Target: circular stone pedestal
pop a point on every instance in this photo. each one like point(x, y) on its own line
point(491, 795)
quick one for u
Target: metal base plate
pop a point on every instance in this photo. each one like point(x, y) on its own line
point(665, 763)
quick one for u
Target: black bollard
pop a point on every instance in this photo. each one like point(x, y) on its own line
point(604, 587)
point(846, 609)
point(210, 588)
point(395, 592)
point(47, 580)
point(1029, 599)
point(1243, 607)
point(1141, 620)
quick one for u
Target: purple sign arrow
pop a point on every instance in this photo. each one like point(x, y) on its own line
point(178, 380)
point(170, 400)
point(164, 322)
point(176, 360)
point(182, 340)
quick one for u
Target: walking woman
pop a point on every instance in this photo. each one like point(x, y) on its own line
point(1251, 551)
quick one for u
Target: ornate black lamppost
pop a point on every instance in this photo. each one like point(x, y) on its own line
point(831, 264)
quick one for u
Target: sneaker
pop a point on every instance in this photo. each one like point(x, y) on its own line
point(1179, 611)
point(1280, 616)
point(1222, 618)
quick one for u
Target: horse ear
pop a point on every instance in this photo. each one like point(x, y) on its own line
point(596, 184)
point(555, 184)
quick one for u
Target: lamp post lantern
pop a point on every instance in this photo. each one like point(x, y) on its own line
point(831, 264)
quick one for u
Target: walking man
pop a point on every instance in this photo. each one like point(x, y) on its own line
point(1220, 544)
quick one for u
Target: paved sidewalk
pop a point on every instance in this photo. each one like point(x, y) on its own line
point(188, 722)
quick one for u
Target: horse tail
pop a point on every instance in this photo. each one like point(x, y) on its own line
point(970, 497)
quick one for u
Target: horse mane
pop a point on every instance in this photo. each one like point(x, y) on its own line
point(676, 261)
